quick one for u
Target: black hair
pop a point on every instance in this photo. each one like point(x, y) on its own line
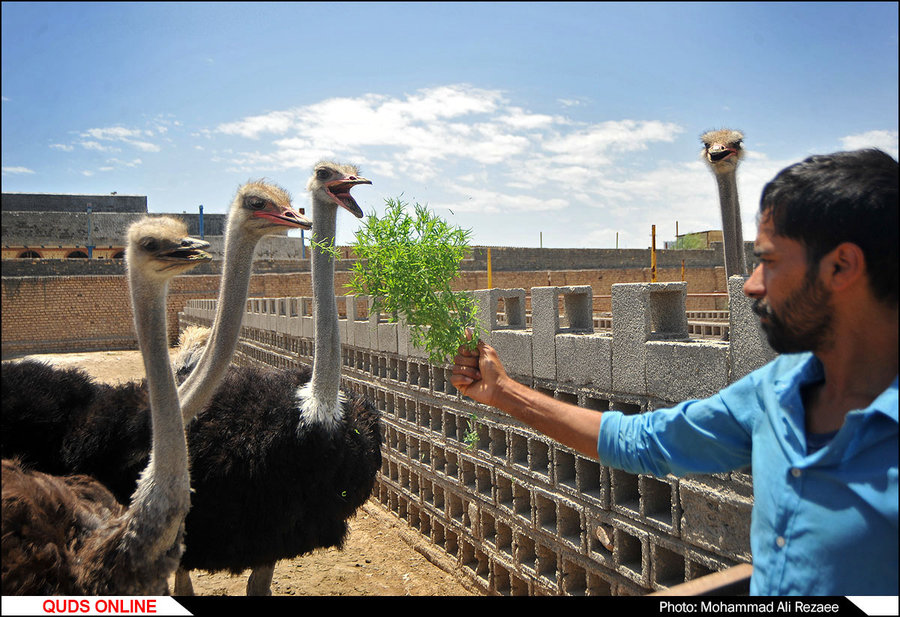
point(826, 200)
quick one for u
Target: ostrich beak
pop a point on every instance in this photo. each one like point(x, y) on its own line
point(286, 216)
point(188, 253)
point(719, 152)
point(190, 249)
point(340, 192)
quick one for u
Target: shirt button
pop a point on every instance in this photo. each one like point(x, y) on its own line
point(796, 472)
point(780, 541)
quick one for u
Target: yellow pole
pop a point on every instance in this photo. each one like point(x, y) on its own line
point(653, 256)
point(682, 270)
point(490, 278)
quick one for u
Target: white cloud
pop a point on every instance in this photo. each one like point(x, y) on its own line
point(882, 139)
point(102, 139)
point(63, 147)
point(277, 122)
point(474, 152)
point(11, 171)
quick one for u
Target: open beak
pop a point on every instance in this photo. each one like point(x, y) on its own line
point(719, 152)
point(287, 217)
point(340, 192)
point(190, 252)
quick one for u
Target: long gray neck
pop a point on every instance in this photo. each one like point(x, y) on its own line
point(326, 375)
point(733, 237)
point(201, 384)
point(162, 497)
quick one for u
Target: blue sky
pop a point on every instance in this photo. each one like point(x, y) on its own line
point(554, 124)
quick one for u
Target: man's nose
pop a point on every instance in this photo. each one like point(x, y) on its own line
point(753, 286)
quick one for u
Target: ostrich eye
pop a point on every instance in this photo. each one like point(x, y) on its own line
point(255, 203)
point(323, 174)
point(150, 244)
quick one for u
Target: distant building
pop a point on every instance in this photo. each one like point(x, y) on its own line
point(61, 226)
point(696, 240)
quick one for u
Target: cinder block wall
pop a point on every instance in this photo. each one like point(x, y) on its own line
point(518, 513)
point(57, 306)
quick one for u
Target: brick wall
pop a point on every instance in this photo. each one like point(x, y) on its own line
point(58, 314)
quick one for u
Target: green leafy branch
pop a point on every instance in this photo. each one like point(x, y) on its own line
point(407, 265)
point(325, 247)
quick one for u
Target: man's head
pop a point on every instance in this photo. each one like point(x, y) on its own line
point(843, 197)
point(813, 217)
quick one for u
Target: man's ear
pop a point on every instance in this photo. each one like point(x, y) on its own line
point(843, 266)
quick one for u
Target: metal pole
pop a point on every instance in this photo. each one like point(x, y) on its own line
point(489, 270)
point(653, 255)
point(201, 221)
point(90, 245)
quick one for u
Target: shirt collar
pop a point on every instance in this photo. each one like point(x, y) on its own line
point(809, 369)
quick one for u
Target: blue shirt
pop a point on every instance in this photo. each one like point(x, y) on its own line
point(823, 523)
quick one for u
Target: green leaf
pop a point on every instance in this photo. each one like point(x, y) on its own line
point(407, 264)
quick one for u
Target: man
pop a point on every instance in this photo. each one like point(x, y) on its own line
point(818, 424)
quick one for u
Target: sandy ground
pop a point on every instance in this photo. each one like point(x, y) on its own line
point(381, 557)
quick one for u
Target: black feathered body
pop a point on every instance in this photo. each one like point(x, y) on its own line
point(265, 485)
point(280, 488)
point(61, 422)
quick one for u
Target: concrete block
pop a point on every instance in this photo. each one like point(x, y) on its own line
point(545, 322)
point(749, 347)
point(544, 326)
point(347, 337)
point(387, 336)
point(487, 314)
point(643, 312)
point(403, 337)
point(294, 326)
point(584, 360)
point(514, 348)
point(716, 521)
point(307, 327)
point(678, 371)
point(361, 325)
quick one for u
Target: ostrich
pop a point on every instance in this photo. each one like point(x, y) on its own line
point(282, 458)
point(258, 209)
point(723, 150)
point(60, 421)
point(69, 534)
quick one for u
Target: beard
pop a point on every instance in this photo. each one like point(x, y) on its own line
point(803, 322)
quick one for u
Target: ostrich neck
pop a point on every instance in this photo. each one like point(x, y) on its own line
point(733, 238)
point(162, 497)
point(199, 387)
point(326, 375)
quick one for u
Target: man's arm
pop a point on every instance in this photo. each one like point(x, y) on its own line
point(480, 375)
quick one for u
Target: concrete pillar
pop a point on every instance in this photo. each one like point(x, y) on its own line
point(545, 322)
point(748, 347)
point(510, 339)
point(643, 312)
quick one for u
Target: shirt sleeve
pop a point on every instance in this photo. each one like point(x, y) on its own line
point(697, 436)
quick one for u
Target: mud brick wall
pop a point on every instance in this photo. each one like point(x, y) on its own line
point(517, 512)
point(59, 314)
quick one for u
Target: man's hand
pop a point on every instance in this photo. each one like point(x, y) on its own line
point(477, 373)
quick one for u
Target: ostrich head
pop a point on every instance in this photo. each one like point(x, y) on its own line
point(331, 183)
point(161, 248)
point(262, 208)
point(722, 150)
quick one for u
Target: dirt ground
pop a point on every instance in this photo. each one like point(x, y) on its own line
point(381, 556)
